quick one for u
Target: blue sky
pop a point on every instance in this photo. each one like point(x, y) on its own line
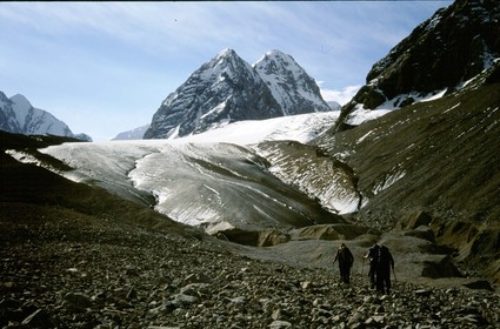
point(105, 67)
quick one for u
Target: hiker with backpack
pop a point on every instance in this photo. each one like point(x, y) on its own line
point(383, 272)
point(381, 262)
point(346, 259)
point(372, 263)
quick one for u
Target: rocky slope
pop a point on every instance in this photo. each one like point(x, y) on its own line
point(434, 163)
point(17, 115)
point(227, 89)
point(91, 273)
point(430, 164)
point(445, 53)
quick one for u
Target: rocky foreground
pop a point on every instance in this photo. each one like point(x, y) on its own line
point(63, 272)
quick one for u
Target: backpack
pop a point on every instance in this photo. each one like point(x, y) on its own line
point(384, 257)
point(345, 257)
point(373, 254)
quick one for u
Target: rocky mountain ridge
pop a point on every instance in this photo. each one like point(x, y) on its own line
point(17, 115)
point(458, 47)
point(227, 89)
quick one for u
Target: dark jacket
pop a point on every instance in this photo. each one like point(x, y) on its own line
point(345, 257)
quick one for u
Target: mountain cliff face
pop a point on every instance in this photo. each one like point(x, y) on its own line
point(447, 52)
point(291, 86)
point(17, 115)
point(227, 89)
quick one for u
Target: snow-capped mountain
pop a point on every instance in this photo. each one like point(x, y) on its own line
point(83, 137)
point(17, 115)
point(137, 133)
point(335, 106)
point(227, 89)
point(34, 121)
point(291, 86)
point(458, 47)
point(224, 90)
point(8, 121)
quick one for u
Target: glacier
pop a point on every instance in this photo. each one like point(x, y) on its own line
point(215, 180)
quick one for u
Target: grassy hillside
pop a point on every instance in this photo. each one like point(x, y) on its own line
point(440, 158)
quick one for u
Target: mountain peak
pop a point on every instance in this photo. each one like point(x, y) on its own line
point(276, 55)
point(225, 56)
point(228, 89)
point(227, 52)
point(291, 86)
point(227, 60)
point(17, 115)
point(225, 89)
point(21, 101)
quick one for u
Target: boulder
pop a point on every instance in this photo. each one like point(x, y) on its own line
point(479, 284)
point(441, 267)
point(270, 238)
point(328, 232)
point(422, 232)
point(236, 235)
point(414, 220)
point(280, 324)
point(77, 301)
point(265, 238)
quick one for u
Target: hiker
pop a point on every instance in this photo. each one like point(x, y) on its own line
point(371, 255)
point(384, 262)
point(345, 258)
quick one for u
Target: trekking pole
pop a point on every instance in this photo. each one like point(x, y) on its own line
point(333, 269)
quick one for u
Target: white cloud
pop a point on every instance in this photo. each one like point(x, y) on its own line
point(340, 96)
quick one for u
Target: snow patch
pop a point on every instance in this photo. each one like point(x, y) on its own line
point(360, 115)
point(331, 186)
point(431, 96)
point(452, 108)
point(362, 138)
point(24, 157)
point(216, 110)
point(388, 181)
point(27, 158)
point(302, 128)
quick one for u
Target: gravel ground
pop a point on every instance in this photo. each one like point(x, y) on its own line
point(82, 273)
